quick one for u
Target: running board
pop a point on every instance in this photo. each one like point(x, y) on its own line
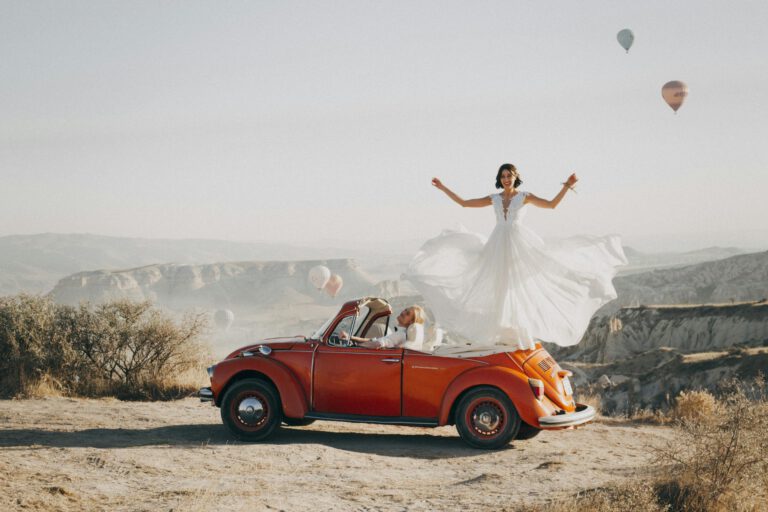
point(383, 420)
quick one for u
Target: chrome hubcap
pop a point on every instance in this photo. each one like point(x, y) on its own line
point(486, 418)
point(250, 411)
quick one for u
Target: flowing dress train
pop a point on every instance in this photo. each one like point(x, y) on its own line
point(513, 289)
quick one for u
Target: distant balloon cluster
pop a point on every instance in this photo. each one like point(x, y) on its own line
point(674, 92)
point(321, 278)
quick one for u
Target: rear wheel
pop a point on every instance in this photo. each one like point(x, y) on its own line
point(527, 432)
point(251, 409)
point(486, 418)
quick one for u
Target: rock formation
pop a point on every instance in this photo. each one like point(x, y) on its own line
point(239, 285)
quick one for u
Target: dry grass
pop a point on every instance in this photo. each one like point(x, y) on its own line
point(619, 498)
point(716, 464)
point(593, 399)
point(44, 387)
point(720, 463)
point(649, 416)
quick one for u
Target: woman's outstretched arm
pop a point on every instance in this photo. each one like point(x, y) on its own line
point(552, 203)
point(467, 203)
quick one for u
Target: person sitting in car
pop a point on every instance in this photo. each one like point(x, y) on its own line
point(409, 332)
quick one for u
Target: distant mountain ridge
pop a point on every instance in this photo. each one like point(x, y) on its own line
point(642, 262)
point(739, 278)
point(34, 263)
point(234, 285)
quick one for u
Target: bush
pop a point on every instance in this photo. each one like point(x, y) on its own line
point(33, 344)
point(695, 406)
point(719, 463)
point(122, 348)
point(716, 463)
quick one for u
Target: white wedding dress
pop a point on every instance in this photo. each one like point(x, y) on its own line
point(509, 292)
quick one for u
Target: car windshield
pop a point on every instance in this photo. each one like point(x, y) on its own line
point(319, 333)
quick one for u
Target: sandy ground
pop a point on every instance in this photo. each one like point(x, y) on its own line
point(74, 454)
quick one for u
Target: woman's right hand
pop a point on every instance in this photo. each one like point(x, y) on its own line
point(437, 183)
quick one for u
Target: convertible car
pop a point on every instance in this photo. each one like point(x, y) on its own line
point(491, 398)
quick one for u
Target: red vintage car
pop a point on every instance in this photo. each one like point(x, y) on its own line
point(491, 399)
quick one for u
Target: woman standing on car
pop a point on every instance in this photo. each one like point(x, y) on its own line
point(514, 289)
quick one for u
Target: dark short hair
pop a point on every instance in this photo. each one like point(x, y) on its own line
point(507, 167)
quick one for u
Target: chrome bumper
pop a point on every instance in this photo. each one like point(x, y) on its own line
point(205, 394)
point(583, 414)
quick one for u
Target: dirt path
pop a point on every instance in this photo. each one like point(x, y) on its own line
point(67, 454)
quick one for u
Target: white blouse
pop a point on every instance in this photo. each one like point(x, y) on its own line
point(411, 338)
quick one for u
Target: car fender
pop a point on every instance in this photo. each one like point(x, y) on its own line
point(292, 396)
point(514, 383)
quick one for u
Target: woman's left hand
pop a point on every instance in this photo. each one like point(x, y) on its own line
point(571, 181)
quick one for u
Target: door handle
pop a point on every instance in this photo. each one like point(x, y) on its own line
point(390, 360)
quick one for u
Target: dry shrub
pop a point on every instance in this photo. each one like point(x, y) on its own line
point(719, 461)
point(593, 399)
point(695, 406)
point(122, 348)
point(615, 498)
point(134, 351)
point(33, 344)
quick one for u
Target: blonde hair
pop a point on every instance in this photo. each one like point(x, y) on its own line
point(418, 314)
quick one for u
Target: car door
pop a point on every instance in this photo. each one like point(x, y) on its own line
point(357, 381)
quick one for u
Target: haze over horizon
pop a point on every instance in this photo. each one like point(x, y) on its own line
point(301, 123)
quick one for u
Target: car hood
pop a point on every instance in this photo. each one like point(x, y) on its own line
point(286, 343)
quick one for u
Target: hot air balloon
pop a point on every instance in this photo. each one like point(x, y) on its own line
point(674, 93)
point(224, 319)
point(319, 275)
point(626, 38)
point(334, 284)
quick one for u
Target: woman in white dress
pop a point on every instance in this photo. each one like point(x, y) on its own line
point(513, 289)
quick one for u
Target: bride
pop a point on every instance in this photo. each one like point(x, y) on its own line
point(513, 289)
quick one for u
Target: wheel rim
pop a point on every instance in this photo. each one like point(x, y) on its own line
point(250, 410)
point(486, 418)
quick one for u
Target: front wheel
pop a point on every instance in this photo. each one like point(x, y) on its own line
point(486, 418)
point(251, 409)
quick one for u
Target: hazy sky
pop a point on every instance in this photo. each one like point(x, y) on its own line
point(304, 122)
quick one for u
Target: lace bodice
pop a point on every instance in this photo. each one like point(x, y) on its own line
point(514, 212)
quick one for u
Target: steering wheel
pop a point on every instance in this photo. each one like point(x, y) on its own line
point(336, 341)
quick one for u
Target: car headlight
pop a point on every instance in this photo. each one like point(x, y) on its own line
point(210, 371)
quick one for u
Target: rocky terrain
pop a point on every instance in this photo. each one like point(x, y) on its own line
point(686, 328)
point(653, 379)
point(738, 278)
point(642, 357)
